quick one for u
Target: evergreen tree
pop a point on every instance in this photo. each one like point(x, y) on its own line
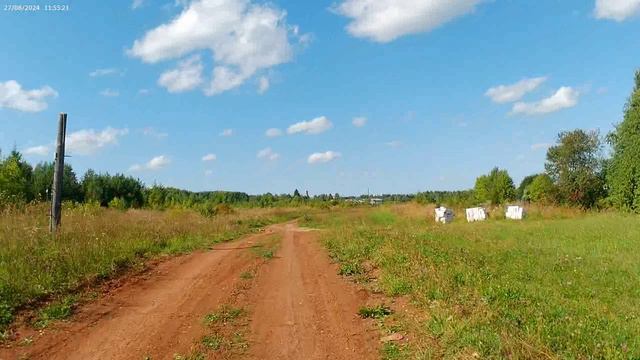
point(623, 173)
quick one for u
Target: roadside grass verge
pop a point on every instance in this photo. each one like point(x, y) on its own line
point(95, 244)
point(565, 284)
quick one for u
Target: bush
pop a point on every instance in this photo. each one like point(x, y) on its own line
point(118, 204)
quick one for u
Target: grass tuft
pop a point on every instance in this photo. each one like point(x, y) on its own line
point(375, 312)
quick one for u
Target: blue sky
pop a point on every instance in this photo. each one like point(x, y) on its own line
point(449, 89)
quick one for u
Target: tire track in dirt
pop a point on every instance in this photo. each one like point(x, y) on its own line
point(301, 308)
point(156, 317)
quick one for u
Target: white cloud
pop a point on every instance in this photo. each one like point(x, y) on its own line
point(540, 146)
point(227, 132)
point(618, 10)
point(514, 92)
point(323, 157)
point(87, 142)
point(109, 93)
point(386, 20)
point(273, 132)
point(12, 96)
point(565, 97)
point(156, 163)
point(394, 143)
point(152, 132)
point(263, 85)
point(41, 150)
point(359, 121)
point(244, 38)
point(268, 154)
point(315, 126)
point(187, 76)
point(104, 72)
point(208, 172)
point(136, 4)
point(144, 92)
point(210, 157)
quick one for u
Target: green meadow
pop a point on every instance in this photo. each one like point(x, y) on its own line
point(560, 284)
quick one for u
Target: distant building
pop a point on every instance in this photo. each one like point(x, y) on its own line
point(376, 201)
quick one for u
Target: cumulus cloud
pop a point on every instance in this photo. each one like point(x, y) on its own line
point(565, 97)
point(89, 141)
point(156, 163)
point(514, 92)
point(617, 10)
point(540, 146)
point(386, 20)
point(268, 154)
point(227, 132)
point(323, 157)
point(263, 85)
point(359, 121)
point(394, 143)
point(311, 127)
point(104, 72)
point(41, 150)
point(244, 38)
point(187, 76)
point(273, 132)
point(209, 157)
point(152, 132)
point(110, 93)
point(13, 96)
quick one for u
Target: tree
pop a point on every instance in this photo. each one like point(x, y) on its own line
point(496, 187)
point(541, 189)
point(43, 181)
point(520, 192)
point(296, 194)
point(576, 167)
point(623, 173)
point(15, 179)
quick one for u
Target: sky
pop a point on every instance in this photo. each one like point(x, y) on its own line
point(346, 96)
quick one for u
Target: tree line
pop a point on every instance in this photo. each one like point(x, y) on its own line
point(576, 173)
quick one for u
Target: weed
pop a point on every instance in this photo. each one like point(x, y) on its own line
point(212, 342)
point(350, 269)
point(224, 315)
point(375, 312)
point(246, 275)
point(58, 310)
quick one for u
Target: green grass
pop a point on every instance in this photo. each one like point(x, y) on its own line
point(375, 312)
point(58, 310)
point(224, 315)
point(567, 288)
point(96, 243)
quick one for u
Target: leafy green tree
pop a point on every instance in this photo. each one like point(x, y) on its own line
point(623, 175)
point(496, 187)
point(43, 181)
point(541, 189)
point(520, 192)
point(15, 179)
point(576, 167)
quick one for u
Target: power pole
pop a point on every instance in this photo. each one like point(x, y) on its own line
point(58, 171)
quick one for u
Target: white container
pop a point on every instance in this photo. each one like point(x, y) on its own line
point(476, 214)
point(444, 215)
point(515, 212)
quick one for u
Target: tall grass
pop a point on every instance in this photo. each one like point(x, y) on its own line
point(560, 284)
point(96, 243)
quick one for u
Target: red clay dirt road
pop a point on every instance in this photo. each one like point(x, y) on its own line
point(299, 308)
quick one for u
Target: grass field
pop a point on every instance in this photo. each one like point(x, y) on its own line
point(561, 284)
point(97, 243)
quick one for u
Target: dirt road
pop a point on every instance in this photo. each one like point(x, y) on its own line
point(298, 308)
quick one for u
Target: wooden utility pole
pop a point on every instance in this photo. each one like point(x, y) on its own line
point(58, 171)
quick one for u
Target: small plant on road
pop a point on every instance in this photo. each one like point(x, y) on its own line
point(375, 312)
